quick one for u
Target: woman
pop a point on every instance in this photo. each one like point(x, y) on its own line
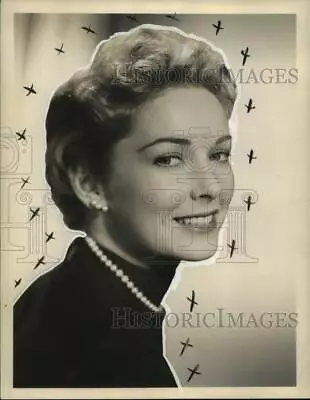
point(137, 157)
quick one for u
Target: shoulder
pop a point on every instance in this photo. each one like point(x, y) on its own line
point(68, 292)
point(42, 297)
point(48, 290)
point(58, 319)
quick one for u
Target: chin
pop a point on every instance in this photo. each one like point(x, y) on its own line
point(198, 248)
point(196, 255)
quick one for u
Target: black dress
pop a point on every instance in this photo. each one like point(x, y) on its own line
point(78, 325)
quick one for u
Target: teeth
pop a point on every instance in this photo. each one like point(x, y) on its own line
point(209, 218)
point(197, 221)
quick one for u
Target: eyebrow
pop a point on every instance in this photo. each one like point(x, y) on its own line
point(179, 140)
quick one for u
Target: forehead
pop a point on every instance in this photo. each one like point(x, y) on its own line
point(190, 112)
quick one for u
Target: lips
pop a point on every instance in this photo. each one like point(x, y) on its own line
point(199, 221)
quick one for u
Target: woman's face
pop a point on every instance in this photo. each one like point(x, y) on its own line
point(171, 181)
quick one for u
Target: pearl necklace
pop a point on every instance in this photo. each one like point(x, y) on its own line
point(120, 274)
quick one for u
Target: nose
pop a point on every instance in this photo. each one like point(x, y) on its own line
point(205, 188)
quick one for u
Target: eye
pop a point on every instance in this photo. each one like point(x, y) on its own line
point(170, 160)
point(221, 156)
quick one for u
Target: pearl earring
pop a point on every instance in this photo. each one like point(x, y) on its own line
point(104, 208)
point(95, 204)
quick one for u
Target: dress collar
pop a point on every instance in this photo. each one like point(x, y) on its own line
point(153, 281)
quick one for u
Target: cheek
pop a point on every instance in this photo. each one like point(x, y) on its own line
point(156, 194)
point(143, 193)
point(227, 183)
point(231, 182)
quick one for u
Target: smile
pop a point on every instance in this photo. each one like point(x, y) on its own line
point(198, 222)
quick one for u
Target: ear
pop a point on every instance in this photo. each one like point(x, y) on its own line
point(84, 186)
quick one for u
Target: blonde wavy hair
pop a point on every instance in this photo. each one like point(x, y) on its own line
point(96, 107)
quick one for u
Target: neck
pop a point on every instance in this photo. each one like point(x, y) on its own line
point(106, 242)
point(142, 259)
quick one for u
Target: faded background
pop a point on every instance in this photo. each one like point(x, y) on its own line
point(261, 276)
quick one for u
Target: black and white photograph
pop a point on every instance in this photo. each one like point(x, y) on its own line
point(154, 199)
